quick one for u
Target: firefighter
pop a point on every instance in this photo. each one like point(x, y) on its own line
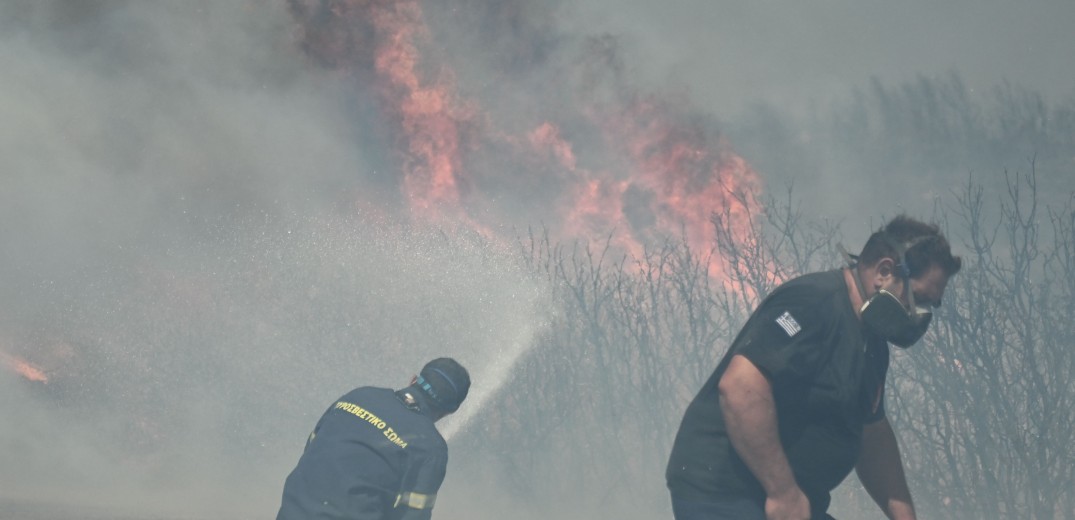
point(376, 454)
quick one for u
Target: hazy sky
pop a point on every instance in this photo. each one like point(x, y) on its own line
point(784, 52)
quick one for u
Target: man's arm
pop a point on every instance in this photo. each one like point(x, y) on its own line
point(408, 509)
point(880, 469)
point(420, 485)
point(746, 400)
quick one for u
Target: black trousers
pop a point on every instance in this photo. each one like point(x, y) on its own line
point(726, 509)
point(722, 509)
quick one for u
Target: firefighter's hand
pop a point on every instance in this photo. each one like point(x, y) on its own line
point(791, 505)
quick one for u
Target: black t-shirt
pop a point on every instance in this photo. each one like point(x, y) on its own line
point(827, 376)
point(369, 457)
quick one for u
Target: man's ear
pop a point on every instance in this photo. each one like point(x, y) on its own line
point(883, 272)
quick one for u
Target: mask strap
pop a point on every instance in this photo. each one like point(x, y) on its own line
point(905, 270)
point(909, 289)
point(852, 264)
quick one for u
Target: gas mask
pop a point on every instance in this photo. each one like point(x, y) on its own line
point(885, 315)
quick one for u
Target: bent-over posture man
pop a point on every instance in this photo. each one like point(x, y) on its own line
point(376, 454)
point(798, 400)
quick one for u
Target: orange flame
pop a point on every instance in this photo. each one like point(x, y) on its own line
point(547, 136)
point(384, 35)
point(23, 368)
point(428, 116)
point(689, 176)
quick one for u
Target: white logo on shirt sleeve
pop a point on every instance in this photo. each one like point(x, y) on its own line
point(788, 323)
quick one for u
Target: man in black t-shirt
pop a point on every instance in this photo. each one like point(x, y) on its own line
point(798, 400)
point(375, 454)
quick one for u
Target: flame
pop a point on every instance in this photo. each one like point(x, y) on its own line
point(595, 199)
point(428, 115)
point(382, 37)
point(667, 173)
point(547, 136)
point(23, 368)
point(688, 174)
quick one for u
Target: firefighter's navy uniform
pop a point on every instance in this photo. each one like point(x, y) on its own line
point(374, 455)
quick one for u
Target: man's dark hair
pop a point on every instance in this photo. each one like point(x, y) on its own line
point(927, 246)
point(446, 384)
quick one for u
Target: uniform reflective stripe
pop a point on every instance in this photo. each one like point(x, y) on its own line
point(415, 500)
